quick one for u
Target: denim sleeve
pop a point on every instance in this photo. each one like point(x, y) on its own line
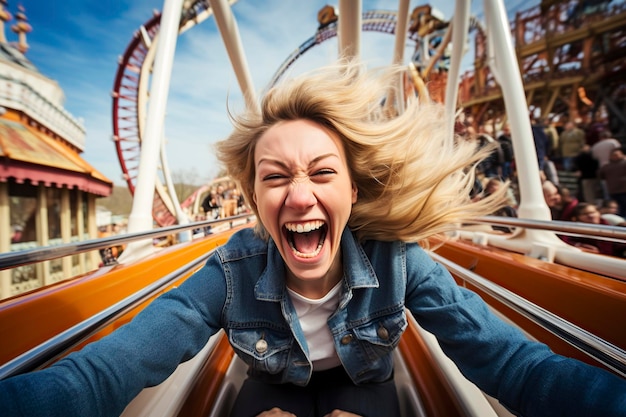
point(526, 376)
point(103, 377)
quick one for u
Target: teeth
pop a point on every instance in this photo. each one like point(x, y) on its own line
point(307, 255)
point(304, 228)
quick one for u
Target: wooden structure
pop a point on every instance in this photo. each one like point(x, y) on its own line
point(572, 60)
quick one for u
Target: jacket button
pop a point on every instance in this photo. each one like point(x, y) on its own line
point(346, 339)
point(261, 346)
point(383, 333)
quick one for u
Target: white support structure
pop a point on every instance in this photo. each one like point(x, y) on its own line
point(460, 29)
point(504, 66)
point(140, 218)
point(503, 63)
point(167, 175)
point(227, 26)
point(401, 29)
point(349, 33)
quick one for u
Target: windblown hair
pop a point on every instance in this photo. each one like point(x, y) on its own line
point(413, 180)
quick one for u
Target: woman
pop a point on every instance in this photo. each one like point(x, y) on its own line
point(589, 213)
point(314, 299)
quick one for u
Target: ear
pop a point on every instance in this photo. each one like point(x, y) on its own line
point(254, 198)
point(355, 192)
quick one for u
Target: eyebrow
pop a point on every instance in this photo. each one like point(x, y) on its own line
point(284, 165)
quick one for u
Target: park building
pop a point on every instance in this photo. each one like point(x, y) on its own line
point(47, 191)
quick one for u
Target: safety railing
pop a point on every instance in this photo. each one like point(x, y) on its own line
point(597, 348)
point(600, 231)
point(539, 239)
point(57, 346)
point(29, 256)
point(49, 351)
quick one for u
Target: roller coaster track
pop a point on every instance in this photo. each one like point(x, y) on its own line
point(130, 93)
point(382, 21)
point(130, 99)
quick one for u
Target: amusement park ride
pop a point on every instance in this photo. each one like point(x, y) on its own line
point(567, 298)
point(571, 60)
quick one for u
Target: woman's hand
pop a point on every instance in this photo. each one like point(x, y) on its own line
point(339, 413)
point(276, 412)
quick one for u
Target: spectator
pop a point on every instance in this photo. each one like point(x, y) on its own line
point(553, 138)
point(549, 170)
point(568, 203)
point(506, 144)
point(601, 151)
point(552, 196)
point(542, 143)
point(608, 211)
point(588, 213)
point(592, 135)
point(508, 210)
point(614, 173)
point(490, 166)
point(586, 167)
point(571, 141)
point(210, 205)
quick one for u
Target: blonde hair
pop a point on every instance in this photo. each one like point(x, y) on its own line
point(413, 181)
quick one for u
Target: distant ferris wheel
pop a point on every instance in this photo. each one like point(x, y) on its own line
point(132, 80)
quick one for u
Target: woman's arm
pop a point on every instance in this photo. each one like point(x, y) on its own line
point(527, 377)
point(103, 377)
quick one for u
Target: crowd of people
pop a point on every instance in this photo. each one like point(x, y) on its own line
point(221, 201)
point(591, 154)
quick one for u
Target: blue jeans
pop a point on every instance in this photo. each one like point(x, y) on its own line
point(327, 390)
point(568, 163)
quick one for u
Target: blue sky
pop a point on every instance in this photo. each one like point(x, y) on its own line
point(77, 43)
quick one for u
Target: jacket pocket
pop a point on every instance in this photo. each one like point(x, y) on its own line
point(262, 349)
point(380, 336)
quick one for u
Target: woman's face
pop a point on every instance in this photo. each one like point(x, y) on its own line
point(589, 215)
point(304, 196)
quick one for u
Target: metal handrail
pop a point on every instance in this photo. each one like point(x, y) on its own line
point(599, 349)
point(52, 349)
point(49, 351)
point(605, 232)
point(19, 258)
point(29, 256)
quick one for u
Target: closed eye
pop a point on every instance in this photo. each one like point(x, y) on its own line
point(274, 177)
point(326, 171)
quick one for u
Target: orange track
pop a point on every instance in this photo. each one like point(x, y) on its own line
point(593, 302)
point(30, 319)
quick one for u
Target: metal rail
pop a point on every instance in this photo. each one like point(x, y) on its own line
point(597, 348)
point(52, 349)
point(601, 231)
point(49, 351)
point(19, 258)
point(29, 256)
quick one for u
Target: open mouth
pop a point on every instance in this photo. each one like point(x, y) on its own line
point(306, 239)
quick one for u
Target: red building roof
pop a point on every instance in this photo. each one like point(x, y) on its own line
point(26, 154)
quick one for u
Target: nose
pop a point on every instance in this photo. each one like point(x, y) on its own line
point(301, 196)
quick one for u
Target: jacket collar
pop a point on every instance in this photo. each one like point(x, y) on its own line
point(357, 269)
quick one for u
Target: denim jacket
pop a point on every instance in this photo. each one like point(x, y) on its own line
point(242, 290)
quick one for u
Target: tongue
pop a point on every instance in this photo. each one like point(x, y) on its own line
point(306, 242)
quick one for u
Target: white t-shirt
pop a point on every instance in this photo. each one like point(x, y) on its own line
point(313, 315)
point(601, 150)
